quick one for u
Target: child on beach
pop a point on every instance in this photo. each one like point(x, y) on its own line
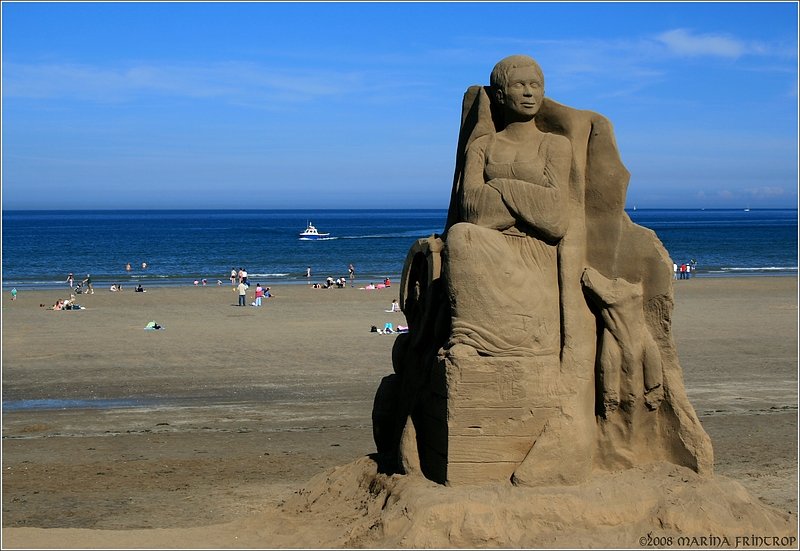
point(14, 293)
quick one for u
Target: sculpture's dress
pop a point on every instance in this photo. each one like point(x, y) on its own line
point(501, 259)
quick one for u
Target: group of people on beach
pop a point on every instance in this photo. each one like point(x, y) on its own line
point(259, 294)
point(238, 276)
point(238, 279)
point(340, 282)
point(66, 304)
point(203, 282)
point(87, 287)
point(84, 287)
point(372, 286)
point(684, 271)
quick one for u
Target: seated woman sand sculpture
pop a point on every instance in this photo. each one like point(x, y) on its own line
point(501, 258)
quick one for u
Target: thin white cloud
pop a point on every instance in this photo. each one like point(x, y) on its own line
point(766, 192)
point(232, 80)
point(683, 42)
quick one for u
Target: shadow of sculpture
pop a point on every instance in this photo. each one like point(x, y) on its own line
point(539, 345)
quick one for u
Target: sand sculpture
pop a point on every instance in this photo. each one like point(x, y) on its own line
point(540, 346)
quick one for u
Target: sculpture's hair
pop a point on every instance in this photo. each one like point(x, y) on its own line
point(499, 76)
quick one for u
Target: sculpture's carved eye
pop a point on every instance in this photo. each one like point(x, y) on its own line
point(520, 85)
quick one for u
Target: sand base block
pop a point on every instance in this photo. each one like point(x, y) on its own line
point(496, 409)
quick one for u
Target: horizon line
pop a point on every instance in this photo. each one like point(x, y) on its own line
point(632, 209)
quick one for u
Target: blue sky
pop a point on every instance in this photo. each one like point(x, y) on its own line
point(357, 105)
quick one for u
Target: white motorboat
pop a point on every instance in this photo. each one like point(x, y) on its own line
point(312, 233)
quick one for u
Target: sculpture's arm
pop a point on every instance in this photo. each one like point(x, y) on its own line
point(481, 204)
point(542, 202)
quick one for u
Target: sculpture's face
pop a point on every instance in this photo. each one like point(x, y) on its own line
point(524, 92)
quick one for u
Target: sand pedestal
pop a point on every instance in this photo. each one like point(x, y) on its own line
point(491, 420)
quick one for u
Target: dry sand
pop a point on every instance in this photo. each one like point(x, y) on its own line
point(238, 408)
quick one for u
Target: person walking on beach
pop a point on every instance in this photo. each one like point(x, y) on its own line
point(352, 270)
point(13, 293)
point(71, 280)
point(88, 283)
point(674, 271)
point(242, 288)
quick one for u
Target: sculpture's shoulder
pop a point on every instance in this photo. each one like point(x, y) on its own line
point(558, 145)
point(479, 144)
point(557, 141)
point(561, 119)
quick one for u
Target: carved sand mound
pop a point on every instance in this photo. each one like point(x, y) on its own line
point(666, 504)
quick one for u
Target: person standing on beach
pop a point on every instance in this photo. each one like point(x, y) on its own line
point(71, 280)
point(14, 293)
point(242, 288)
point(233, 278)
point(352, 270)
point(88, 283)
point(259, 294)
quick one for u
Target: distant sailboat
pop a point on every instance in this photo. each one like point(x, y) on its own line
point(747, 209)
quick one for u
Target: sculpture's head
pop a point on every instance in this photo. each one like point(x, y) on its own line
point(517, 85)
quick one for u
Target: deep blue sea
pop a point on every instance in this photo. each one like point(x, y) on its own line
point(41, 247)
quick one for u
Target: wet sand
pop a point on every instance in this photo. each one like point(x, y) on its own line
point(229, 410)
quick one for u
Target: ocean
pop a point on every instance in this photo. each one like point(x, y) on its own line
point(179, 246)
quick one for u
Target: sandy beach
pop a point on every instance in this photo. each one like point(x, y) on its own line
point(222, 416)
